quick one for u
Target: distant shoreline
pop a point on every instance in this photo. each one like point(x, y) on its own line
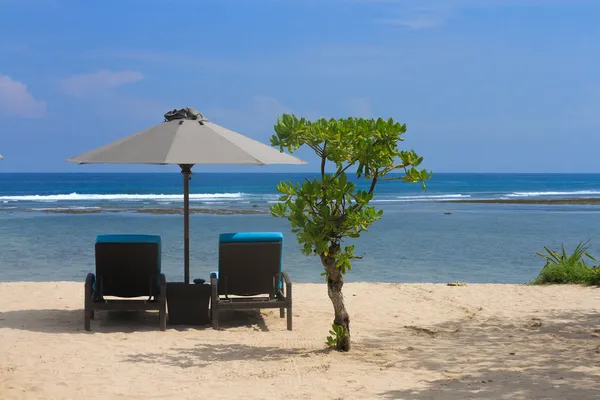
point(154, 211)
point(572, 201)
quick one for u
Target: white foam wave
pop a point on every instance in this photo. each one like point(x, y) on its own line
point(214, 198)
point(65, 208)
point(398, 199)
point(124, 197)
point(540, 194)
point(436, 196)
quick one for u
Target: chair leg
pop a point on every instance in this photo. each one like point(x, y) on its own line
point(281, 312)
point(87, 302)
point(215, 317)
point(162, 317)
point(87, 318)
point(289, 318)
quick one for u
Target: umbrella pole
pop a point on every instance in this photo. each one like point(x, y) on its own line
point(186, 171)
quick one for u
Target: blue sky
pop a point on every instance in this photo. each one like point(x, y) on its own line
point(483, 86)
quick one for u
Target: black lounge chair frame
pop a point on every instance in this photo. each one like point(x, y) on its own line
point(250, 269)
point(126, 270)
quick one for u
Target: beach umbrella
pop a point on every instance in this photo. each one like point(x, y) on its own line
point(186, 138)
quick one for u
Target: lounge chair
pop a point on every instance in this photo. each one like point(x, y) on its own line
point(127, 266)
point(250, 269)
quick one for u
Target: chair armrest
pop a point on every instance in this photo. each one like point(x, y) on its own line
point(88, 297)
point(285, 278)
point(90, 279)
point(214, 287)
point(162, 280)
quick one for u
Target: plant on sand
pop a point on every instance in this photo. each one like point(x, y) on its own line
point(325, 211)
point(561, 267)
point(337, 333)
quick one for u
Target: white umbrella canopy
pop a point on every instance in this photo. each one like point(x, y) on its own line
point(190, 139)
point(186, 138)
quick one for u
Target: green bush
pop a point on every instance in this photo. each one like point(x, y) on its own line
point(564, 268)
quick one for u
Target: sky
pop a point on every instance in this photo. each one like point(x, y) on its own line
point(483, 85)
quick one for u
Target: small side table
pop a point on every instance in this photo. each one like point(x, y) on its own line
point(187, 304)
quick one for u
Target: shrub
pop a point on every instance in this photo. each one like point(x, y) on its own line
point(564, 268)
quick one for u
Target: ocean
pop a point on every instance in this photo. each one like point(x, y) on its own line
point(49, 222)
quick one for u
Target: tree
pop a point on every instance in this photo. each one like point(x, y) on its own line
point(325, 211)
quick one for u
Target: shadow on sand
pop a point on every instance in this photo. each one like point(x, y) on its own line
point(203, 355)
point(555, 358)
point(71, 321)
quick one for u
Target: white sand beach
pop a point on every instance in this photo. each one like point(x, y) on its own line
point(411, 341)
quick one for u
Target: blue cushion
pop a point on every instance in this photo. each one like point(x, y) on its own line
point(246, 237)
point(128, 238)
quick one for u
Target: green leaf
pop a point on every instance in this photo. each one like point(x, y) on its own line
point(343, 180)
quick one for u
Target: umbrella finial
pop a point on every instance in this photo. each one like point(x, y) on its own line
point(184, 113)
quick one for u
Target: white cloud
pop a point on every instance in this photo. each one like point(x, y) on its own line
point(99, 82)
point(15, 99)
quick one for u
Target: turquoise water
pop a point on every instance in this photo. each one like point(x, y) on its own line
point(416, 241)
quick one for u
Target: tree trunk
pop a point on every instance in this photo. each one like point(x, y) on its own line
point(335, 282)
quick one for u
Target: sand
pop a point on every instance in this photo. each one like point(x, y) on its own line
point(411, 341)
